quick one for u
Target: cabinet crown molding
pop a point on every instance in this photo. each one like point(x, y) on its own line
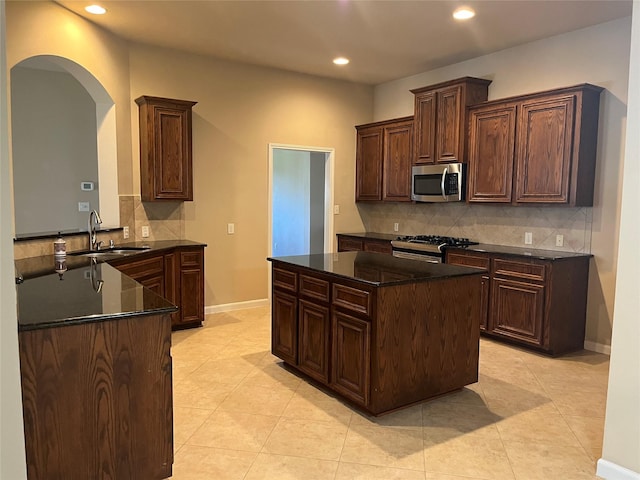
point(467, 80)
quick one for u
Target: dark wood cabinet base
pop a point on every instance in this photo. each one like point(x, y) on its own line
point(381, 348)
point(97, 399)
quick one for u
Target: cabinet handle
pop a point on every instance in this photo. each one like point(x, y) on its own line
point(444, 176)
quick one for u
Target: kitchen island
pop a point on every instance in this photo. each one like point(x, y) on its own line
point(95, 371)
point(379, 331)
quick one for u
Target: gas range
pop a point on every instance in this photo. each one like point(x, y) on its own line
point(426, 247)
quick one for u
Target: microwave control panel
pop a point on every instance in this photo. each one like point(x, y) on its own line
point(451, 184)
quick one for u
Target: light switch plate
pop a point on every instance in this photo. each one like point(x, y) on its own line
point(559, 240)
point(145, 231)
point(231, 228)
point(125, 232)
point(396, 227)
point(84, 206)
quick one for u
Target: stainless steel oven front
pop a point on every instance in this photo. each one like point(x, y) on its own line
point(431, 257)
point(438, 183)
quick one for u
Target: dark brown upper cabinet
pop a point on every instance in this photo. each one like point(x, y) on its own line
point(383, 160)
point(440, 121)
point(535, 149)
point(165, 149)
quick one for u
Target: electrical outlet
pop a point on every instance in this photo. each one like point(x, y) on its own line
point(125, 232)
point(145, 231)
point(336, 209)
point(231, 228)
point(396, 227)
point(528, 238)
point(559, 240)
point(84, 206)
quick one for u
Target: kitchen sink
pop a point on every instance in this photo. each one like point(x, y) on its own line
point(109, 252)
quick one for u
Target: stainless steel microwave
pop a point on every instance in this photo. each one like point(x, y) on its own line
point(438, 183)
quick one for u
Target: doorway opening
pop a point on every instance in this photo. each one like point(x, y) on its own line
point(300, 200)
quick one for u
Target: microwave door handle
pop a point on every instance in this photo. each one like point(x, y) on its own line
point(444, 176)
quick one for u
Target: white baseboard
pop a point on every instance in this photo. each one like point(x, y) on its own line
point(611, 471)
point(597, 347)
point(228, 307)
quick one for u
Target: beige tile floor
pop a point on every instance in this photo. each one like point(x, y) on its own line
point(239, 415)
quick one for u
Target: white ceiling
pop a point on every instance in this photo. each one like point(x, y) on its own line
point(385, 39)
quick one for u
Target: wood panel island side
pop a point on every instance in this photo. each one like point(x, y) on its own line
point(379, 331)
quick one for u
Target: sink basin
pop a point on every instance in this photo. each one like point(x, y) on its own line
point(109, 252)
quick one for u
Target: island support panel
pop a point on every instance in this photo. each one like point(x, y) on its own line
point(97, 399)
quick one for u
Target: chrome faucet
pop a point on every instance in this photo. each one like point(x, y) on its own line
point(93, 243)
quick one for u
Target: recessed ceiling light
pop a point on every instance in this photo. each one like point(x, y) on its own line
point(463, 13)
point(340, 61)
point(96, 9)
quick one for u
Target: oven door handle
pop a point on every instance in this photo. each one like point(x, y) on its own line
point(444, 176)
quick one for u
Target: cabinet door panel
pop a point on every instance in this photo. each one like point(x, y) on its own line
point(398, 145)
point(172, 172)
point(492, 152)
point(517, 310)
point(544, 150)
point(369, 165)
point(284, 333)
point(351, 357)
point(172, 284)
point(191, 304)
point(484, 305)
point(425, 128)
point(314, 333)
point(448, 125)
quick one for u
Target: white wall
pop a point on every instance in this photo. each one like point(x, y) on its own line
point(12, 456)
point(598, 55)
point(621, 449)
point(54, 145)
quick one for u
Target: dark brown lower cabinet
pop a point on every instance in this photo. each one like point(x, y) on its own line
point(351, 344)
point(97, 399)
point(348, 243)
point(313, 344)
point(284, 331)
point(176, 274)
point(518, 310)
point(535, 302)
point(379, 347)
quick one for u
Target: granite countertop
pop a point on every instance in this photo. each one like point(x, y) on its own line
point(86, 291)
point(43, 265)
point(377, 268)
point(523, 252)
point(96, 293)
point(372, 235)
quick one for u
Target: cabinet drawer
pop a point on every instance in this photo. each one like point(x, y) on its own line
point(510, 268)
point(191, 259)
point(314, 288)
point(149, 267)
point(354, 299)
point(285, 279)
point(378, 247)
point(468, 260)
point(349, 244)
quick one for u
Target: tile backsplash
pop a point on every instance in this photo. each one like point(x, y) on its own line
point(494, 224)
point(165, 222)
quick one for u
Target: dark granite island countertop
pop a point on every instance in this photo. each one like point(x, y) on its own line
point(376, 268)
